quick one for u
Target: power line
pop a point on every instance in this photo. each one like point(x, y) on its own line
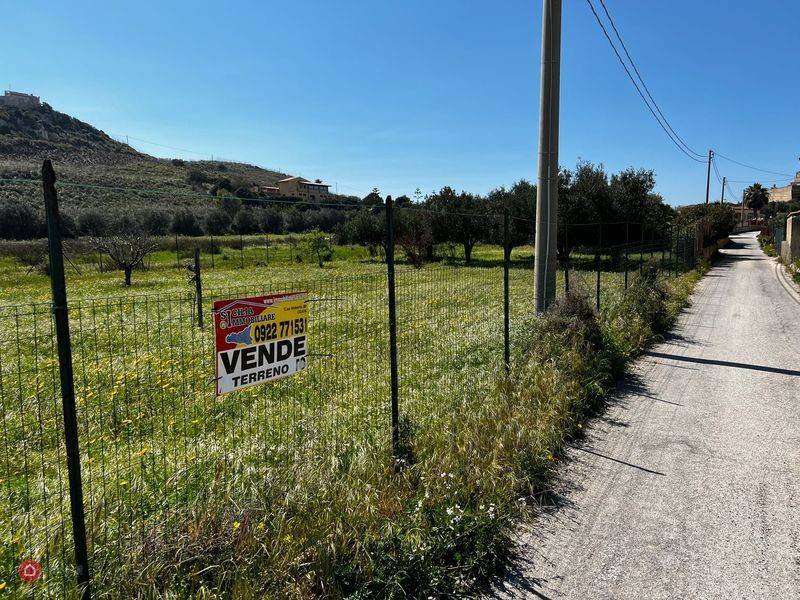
point(650, 102)
point(644, 85)
point(760, 181)
point(716, 172)
point(162, 145)
point(741, 164)
point(641, 94)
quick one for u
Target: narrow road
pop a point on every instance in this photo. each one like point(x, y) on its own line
point(689, 485)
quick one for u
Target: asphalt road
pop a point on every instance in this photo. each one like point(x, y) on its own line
point(689, 485)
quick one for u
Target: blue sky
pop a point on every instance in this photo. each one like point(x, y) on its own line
point(399, 94)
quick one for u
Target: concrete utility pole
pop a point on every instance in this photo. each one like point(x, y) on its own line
point(722, 199)
point(708, 174)
point(547, 190)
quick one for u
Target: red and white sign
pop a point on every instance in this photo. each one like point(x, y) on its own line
point(259, 339)
point(29, 571)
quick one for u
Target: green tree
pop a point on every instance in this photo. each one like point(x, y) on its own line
point(92, 223)
point(756, 197)
point(245, 222)
point(414, 234)
point(520, 200)
point(367, 229)
point(459, 218)
point(629, 192)
point(317, 245)
point(155, 222)
point(217, 222)
point(20, 222)
point(184, 222)
point(373, 198)
point(270, 220)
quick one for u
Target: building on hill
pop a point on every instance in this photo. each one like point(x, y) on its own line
point(19, 100)
point(299, 187)
point(269, 190)
point(786, 193)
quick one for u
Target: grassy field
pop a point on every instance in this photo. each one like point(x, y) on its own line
point(183, 489)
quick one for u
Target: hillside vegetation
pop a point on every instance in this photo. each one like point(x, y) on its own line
point(84, 154)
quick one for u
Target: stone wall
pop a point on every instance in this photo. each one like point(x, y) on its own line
point(790, 249)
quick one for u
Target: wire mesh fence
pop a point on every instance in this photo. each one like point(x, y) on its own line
point(158, 447)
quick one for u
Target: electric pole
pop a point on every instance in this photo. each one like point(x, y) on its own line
point(547, 187)
point(708, 174)
point(722, 200)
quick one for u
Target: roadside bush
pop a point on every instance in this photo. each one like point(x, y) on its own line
point(719, 220)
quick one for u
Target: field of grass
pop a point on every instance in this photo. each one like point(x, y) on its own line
point(251, 493)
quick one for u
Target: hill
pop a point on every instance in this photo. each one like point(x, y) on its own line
point(85, 155)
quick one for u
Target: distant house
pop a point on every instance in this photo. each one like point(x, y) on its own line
point(298, 187)
point(19, 100)
point(786, 193)
point(269, 190)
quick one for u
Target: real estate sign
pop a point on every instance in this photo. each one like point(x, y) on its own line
point(259, 339)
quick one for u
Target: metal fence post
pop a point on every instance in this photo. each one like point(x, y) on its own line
point(641, 248)
point(241, 251)
point(627, 243)
point(597, 263)
point(212, 251)
point(685, 239)
point(198, 288)
point(671, 259)
point(177, 254)
point(392, 326)
point(61, 318)
point(506, 316)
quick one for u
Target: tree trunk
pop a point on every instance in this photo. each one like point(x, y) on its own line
point(468, 253)
point(128, 275)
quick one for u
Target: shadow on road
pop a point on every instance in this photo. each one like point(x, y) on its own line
point(724, 363)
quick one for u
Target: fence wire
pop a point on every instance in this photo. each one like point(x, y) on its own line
point(158, 447)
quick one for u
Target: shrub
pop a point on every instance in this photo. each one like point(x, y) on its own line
point(217, 222)
point(317, 245)
point(20, 222)
point(270, 220)
point(293, 221)
point(245, 222)
point(184, 222)
point(92, 223)
point(155, 222)
point(195, 176)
